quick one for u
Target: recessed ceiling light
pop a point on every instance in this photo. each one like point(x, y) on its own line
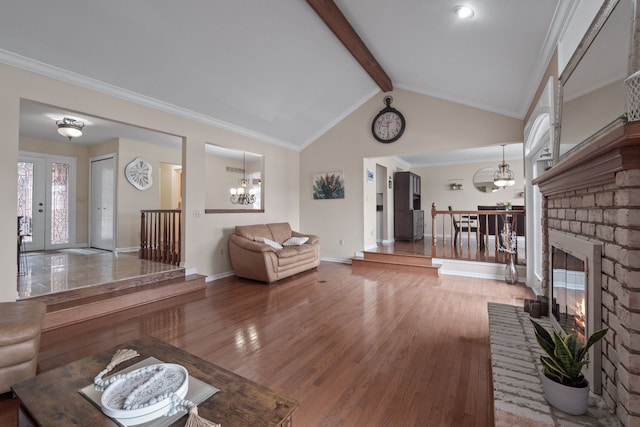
point(463, 12)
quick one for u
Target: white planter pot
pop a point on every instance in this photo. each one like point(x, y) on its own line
point(571, 400)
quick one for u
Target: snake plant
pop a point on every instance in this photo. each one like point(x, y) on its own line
point(565, 356)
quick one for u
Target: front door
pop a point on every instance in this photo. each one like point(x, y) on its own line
point(46, 201)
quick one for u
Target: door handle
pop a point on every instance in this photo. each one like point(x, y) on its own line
point(40, 210)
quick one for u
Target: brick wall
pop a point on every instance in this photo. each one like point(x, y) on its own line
point(610, 214)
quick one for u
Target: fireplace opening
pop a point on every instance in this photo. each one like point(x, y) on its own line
point(575, 300)
point(569, 292)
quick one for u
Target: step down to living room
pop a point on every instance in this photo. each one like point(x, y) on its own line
point(397, 262)
point(77, 305)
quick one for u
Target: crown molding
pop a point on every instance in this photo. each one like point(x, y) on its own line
point(561, 16)
point(18, 61)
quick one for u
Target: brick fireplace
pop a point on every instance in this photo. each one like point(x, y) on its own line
point(594, 194)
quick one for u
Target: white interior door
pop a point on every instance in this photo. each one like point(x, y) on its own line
point(102, 203)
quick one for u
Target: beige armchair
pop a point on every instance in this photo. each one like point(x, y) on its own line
point(20, 328)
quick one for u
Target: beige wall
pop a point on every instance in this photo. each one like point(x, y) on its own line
point(432, 125)
point(130, 200)
point(204, 235)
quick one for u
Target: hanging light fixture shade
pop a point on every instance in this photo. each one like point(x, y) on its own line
point(70, 128)
point(242, 195)
point(504, 176)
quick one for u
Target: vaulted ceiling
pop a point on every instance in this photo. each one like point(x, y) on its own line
point(273, 69)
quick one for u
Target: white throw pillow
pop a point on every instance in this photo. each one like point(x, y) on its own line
point(295, 241)
point(275, 245)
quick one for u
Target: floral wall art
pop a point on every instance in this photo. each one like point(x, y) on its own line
point(329, 185)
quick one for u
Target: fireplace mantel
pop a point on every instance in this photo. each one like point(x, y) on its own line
point(614, 149)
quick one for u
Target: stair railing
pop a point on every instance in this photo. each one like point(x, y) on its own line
point(160, 235)
point(480, 230)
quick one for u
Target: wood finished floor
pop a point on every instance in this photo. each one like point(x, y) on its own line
point(466, 250)
point(365, 348)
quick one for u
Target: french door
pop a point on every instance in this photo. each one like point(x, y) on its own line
point(46, 201)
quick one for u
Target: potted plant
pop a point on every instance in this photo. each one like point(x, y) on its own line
point(565, 387)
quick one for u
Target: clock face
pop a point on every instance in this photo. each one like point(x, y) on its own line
point(388, 126)
point(138, 173)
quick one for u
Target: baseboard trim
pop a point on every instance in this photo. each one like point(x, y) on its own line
point(219, 276)
point(338, 260)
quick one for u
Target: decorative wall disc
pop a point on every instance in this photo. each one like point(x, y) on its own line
point(138, 173)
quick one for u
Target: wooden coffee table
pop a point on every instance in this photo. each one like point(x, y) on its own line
point(52, 398)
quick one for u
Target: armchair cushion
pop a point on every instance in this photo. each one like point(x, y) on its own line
point(295, 241)
point(275, 245)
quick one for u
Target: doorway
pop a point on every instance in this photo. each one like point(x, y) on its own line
point(537, 153)
point(102, 206)
point(46, 201)
point(381, 208)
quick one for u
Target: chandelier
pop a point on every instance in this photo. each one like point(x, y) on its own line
point(243, 195)
point(70, 128)
point(504, 176)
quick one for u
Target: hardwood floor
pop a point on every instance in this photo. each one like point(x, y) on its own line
point(466, 250)
point(362, 348)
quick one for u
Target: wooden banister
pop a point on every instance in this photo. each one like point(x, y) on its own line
point(485, 226)
point(160, 235)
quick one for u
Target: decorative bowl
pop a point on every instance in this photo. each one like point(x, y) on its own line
point(145, 393)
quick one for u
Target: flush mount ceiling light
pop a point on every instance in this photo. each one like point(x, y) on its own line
point(463, 12)
point(504, 176)
point(70, 128)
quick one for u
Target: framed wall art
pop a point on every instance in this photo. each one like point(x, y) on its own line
point(329, 185)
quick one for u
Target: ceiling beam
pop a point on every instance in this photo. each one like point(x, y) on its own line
point(336, 21)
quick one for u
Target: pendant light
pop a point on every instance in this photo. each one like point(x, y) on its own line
point(504, 176)
point(242, 195)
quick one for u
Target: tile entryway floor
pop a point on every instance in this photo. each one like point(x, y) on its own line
point(47, 272)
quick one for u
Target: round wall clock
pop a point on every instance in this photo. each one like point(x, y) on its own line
point(388, 125)
point(138, 173)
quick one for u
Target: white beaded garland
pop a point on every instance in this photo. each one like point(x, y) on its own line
point(114, 405)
